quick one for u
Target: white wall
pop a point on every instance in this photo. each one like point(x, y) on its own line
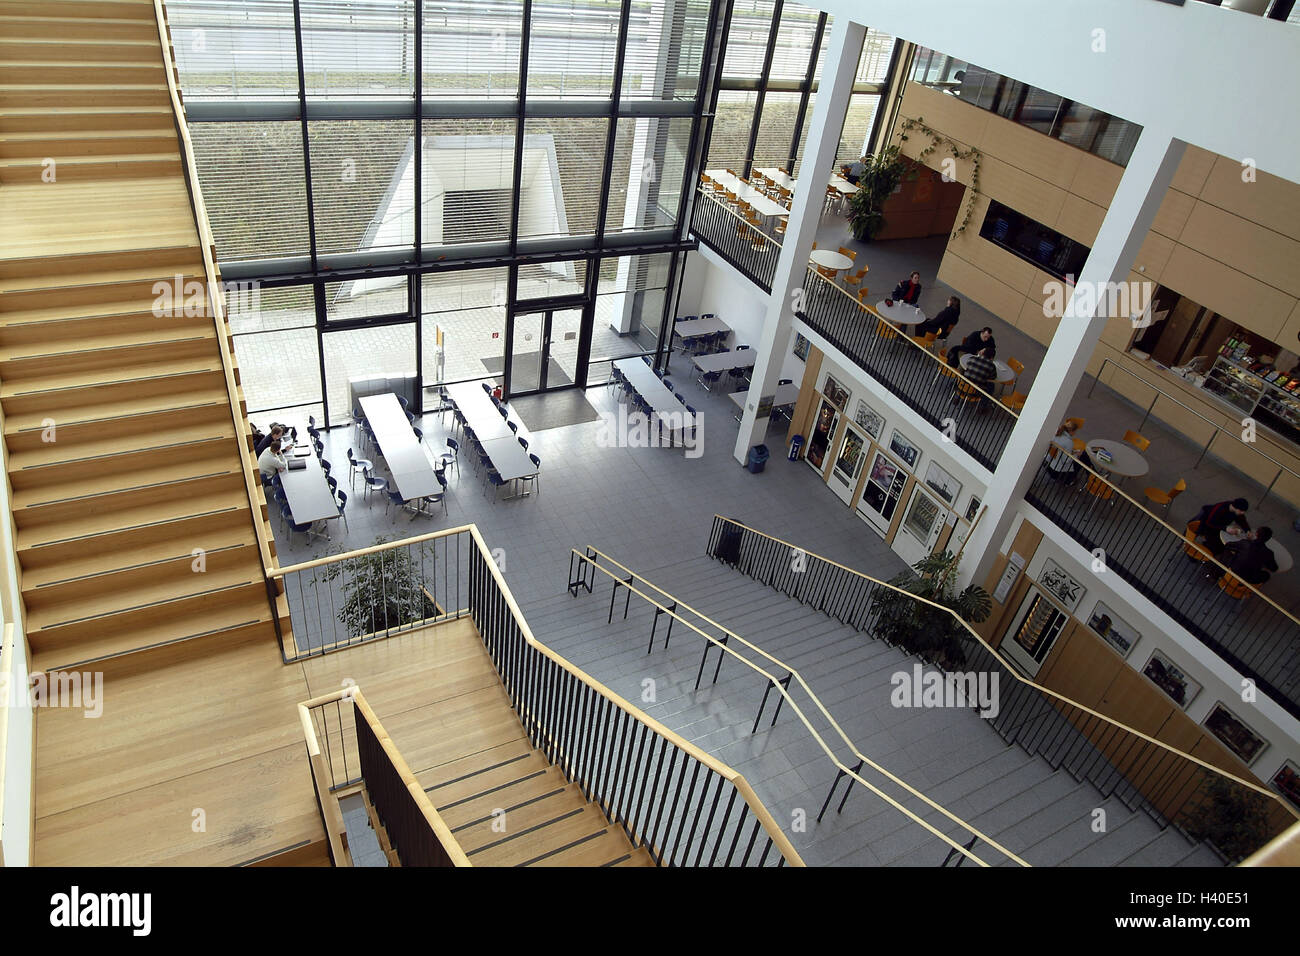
point(17, 737)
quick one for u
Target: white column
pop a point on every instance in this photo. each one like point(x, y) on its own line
point(1137, 198)
point(838, 72)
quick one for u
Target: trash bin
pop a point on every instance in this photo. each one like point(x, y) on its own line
point(757, 459)
point(796, 445)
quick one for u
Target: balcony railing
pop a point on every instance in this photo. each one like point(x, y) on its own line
point(964, 414)
point(1251, 633)
point(748, 248)
point(1143, 772)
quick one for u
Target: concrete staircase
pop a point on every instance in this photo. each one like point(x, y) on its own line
point(1045, 816)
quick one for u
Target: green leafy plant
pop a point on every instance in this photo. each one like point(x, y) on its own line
point(884, 171)
point(923, 629)
point(908, 125)
point(1231, 817)
point(382, 590)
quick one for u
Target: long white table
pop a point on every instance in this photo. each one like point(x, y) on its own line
point(785, 395)
point(763, 205)
point(310, 498)
point(480, 412)
point(658, 396)
point(782, 179)
point(697, 327)
point(721, 361)
point(412, 466)
point(509, 458)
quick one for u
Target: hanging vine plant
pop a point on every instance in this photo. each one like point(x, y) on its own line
point(937, 140)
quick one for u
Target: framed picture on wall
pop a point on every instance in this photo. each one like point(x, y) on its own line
point(902, 446)
point(1287, 782)
point(870, 422)
point(942, 484)
point(800, 347)
point(973, 508)
point(1111, 629)
point(1169, 677)
point(835, 393)
point(1235, 733)
point(1058, 583)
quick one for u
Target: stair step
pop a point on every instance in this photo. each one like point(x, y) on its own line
point(79, 168)
point(83, 94)
point(76, 119)
point(79, 403)
point(81, 9)
point(185, 429)
point(521, 846)
point(134, 406)
point(23, 294)
point(469, 776)
point(27, 365)
point(79, 268)
point(86, 143)
point(535, 786)
point(59, 72)
point(142, 371)
point(608, 848)
point(46, 49)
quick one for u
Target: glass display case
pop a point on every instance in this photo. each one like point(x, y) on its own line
point(1233, 384)
point(1271, 398)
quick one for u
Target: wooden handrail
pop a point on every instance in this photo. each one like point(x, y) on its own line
point(974, 635)
point(740, 220)
point(756, 806)
point(203, 228)
point(785, 694)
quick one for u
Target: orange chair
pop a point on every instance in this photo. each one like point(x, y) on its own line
point(1233, 587)
point(1100, 489)
point(966, 392)
point(1136, 440)
point(925, 341)
point(862, 296)
point(1015, 401)
point(885, 331)
point(1192, 549)
point(845, 251)
point(1166, 498)
point(1018, 367)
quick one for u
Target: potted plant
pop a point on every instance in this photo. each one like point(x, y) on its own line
point(1233, 819)
point(884, 171)
point(381, 590)
point(922, 629)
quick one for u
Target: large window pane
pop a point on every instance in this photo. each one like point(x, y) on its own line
point(559, 190)
point(361, 184)
point(548, 280)
point(363, 298)
point(665, 47)
point(469, 309)
point(468, 180)
point(776, 130)
point(571, 49)
point(731, 128)
point(873, 64)
point(471, 49)
point(226, 52)
point(278, 369)
point(794, 42)
point(857, 127)
point(254, 187)
point(358, 48)
point(747, 35)
point(630, 298)
point(386, 351)
point(646, 177)
point(250, 308)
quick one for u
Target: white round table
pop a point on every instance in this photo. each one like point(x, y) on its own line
point(900, 313)
point(830, 259)
point(1280, 554)
point(1004, 375)
point(1126, 461)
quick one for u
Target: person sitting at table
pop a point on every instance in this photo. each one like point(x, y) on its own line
point(271, 462)
point(908, 290)
point(1217, 518)
point(856, 170)
point(981, 371)
point(941, 325)
point(1061, 463)
point(276, 434)
point(1251, 559)
point(980, 341)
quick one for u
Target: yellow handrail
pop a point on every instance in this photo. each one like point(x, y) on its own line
point(724, 647)
point(740, 220)
point(974, 635)
point(207, 245)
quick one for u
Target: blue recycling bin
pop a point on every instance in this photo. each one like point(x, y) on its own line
point(796, 445)
point(757, 459)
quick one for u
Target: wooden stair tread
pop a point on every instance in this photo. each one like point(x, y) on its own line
point(456, 781)
point(523, 823)
point(611, 848)
point(157, 552)
point(536, 785)
point(85, 312)
point(74, 136)
point(94, 377)
point(148, 274)
point(186, 398)
point(58, 453)
point(107, 342)
point(90, 64)
point(72, 160)
point(22, 111)
point(155, 514)
point(154, 476)
point(520, 847)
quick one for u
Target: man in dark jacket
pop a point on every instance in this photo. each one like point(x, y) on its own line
point(981, 371)
point(981, 341)
point(908, 290)
point(276, 434)
point(1251, 559)
point(941, 325)
point(1218, 518)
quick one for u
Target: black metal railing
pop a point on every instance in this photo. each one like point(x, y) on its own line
point(964, 414)
point(747, 247)
point(1119, 761)
point(685, 808)
point(346, 599)
point(1252, 634)
point(404, 816)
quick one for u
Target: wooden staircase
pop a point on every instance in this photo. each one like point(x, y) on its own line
point(132, 512)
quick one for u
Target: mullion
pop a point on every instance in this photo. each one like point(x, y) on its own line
point(806, 88)
point(764, 78)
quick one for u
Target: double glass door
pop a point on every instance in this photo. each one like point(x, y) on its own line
point(544, 350)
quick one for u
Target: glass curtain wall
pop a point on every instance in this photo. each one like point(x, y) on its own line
point(393, 161)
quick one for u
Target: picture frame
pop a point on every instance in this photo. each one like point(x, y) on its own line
point(942, 483)
point(801, 347)
point(1286, 781)
point(972, 509)
point(869, 420)
point(902, 446)
point(1235, 733)
point(1108, 625)
point(1060, 585)
point(1171, 679)
point(835, 393)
